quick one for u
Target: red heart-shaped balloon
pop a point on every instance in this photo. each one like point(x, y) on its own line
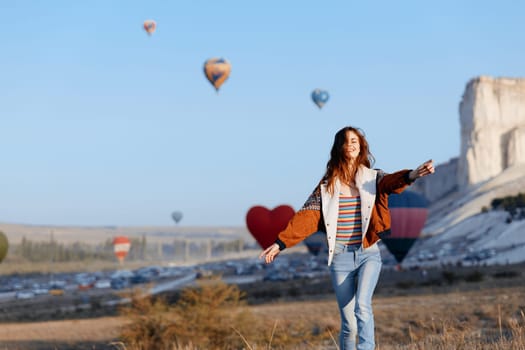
point(265, 224)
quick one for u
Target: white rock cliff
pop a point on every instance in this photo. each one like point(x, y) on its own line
point(492, 117)
point(492, 124)
point(491, 164)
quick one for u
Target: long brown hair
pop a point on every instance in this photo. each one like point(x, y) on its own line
point(339, 166)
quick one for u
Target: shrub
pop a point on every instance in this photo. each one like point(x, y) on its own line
point(514, 205)
point(449, 276)
point(405, 284)
point(149, 320)
point(475, 276)
point(506, 274)
point(211, 316)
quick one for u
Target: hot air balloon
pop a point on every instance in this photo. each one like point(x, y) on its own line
point(217, 70)
point(121, 245)
point(320, 97)
point(265, 224)
point(4, 246)
point(317, 243)
point(176, 216)
point(409, 211)
point(150, 26)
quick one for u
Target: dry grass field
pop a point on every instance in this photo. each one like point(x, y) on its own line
point(474, 318)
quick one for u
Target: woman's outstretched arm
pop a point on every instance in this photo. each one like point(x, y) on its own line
point(398, 181)
point(424, 169)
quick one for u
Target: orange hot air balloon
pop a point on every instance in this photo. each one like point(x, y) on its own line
point(217, 70)
point(150, 26)
point(121, 245)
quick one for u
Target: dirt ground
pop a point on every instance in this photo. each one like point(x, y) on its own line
point(406, 311)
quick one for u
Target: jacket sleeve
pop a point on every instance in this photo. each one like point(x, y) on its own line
point(395, 182)
point(304, 223)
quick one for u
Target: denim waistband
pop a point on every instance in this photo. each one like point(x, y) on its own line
point(339, 248)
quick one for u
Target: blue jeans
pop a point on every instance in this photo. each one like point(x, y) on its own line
point(355, 272)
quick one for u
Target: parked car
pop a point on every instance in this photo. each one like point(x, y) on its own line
point(103, 284)
point(119, 283)
point(40, 290)
point(85, 285)
point(56, 290)
point(24, 294)
point(139, 279)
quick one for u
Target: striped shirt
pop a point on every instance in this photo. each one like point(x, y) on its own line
point(349, 230)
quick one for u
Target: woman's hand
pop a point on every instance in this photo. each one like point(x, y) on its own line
point(424, 169)
point(270, 253)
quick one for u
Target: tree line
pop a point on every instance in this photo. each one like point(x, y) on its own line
point(513, 205)
point(140, 250)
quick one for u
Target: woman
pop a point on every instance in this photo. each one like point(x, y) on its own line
point(351, 205)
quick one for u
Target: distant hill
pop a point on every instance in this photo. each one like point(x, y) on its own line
point(98, 234)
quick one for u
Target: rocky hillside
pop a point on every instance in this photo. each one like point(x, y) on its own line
point(491, 164)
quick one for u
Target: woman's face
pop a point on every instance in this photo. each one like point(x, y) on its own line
point(352, 146)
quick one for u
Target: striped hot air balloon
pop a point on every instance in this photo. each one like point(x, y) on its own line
point(121, 245)
point(409, 211)
point(317, 243)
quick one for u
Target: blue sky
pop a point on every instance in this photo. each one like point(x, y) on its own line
point(103, 125)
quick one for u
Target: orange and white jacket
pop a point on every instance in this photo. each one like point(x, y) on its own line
point(321, 209)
